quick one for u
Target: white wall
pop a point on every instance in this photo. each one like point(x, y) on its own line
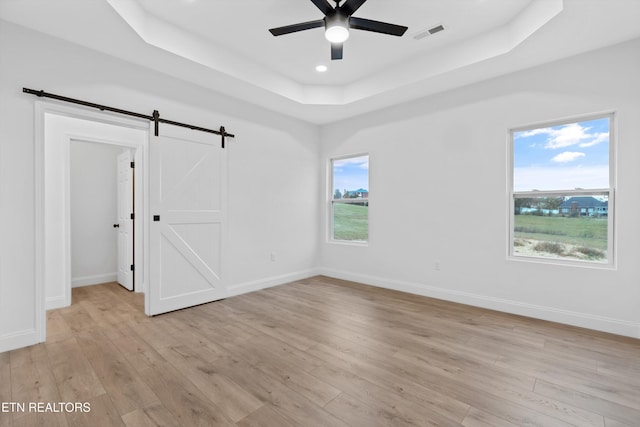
point(438, 178)
point(93, 210)
point(273, 169)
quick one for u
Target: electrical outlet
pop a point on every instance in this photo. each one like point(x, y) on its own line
point(273, 257)
point(436, 266)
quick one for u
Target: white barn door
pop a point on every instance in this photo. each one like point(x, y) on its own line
point(187, 219)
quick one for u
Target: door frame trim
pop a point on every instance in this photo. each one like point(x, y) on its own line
point(141, 155)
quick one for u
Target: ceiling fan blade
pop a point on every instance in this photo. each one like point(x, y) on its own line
point(336, 51)
point(351, 6)
point(376, 26)
point(297, 27)
point(323, 5)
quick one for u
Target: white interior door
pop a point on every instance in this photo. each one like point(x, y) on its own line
point(187, 210)
point(125, 222)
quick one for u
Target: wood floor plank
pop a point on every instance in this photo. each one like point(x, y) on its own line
point(622, 369)
point(507, 384)
point(478, 418)
point(39, 419)
point(592, 383)
point(267, 323)
point(382, 372)
point(182, 398)
point(378, 397)
point(138, 352)
point(154, 333)
point(445, 384)
point(151, 416)
point(284, 400)
point(504, 400)
point(103, 413)
point(265, 416)
point(27, 355)
point(614, 423)
point(123, 384)
point(285, 367)
point(357, 414)
point(229, 397)
point(32, 380)
point(605, 408)
point(57, 327)
point(75, 378)
point(77, 318)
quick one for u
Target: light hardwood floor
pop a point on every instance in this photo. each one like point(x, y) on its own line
point(319, 352)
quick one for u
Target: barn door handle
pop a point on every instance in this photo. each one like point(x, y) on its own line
point(116, 225)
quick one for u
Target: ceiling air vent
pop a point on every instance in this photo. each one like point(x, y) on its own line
point(424, 33)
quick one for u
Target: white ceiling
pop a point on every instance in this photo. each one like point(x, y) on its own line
point(226, 46)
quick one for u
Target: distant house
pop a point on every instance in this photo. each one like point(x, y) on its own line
point(584, 206)
point(358, 194)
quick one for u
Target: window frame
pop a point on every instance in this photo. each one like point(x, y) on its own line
point(609, 192)
point(332, 202)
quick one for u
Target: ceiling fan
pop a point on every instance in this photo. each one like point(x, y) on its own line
point(337, 21)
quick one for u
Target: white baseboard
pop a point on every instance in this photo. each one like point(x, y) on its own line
point(598, 323)
point(18, 340)
point(256, 285)
point(94, 280)
point(55, 302)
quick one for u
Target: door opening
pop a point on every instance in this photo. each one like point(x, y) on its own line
point(100, 209)
point(59, 127)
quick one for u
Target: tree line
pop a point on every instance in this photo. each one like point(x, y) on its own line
point(344, 194)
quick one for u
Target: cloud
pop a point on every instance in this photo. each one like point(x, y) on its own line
point(362, 162)
point(598, 138)
point(533, 132)
point(567, 156)
point(567, 136)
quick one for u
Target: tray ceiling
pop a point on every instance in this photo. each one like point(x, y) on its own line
point(226, 46)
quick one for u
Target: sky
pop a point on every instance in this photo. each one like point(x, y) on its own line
point(351, 173)
point(563, 157)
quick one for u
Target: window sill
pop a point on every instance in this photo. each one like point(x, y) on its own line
point(348, 243)
point(561, 262)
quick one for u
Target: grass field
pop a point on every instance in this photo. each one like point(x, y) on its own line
point(560, 237)
point(588, 232)
point(350, 222)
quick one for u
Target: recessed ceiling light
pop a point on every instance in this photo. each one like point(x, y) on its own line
point(321, 68)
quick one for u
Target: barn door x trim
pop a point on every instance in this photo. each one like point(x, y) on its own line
point(155, 117)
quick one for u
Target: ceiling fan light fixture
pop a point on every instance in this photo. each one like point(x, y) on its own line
point(336, 34)
point(336, 28)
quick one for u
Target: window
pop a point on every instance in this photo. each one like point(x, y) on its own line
point(562, 191)
point(350, 199)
